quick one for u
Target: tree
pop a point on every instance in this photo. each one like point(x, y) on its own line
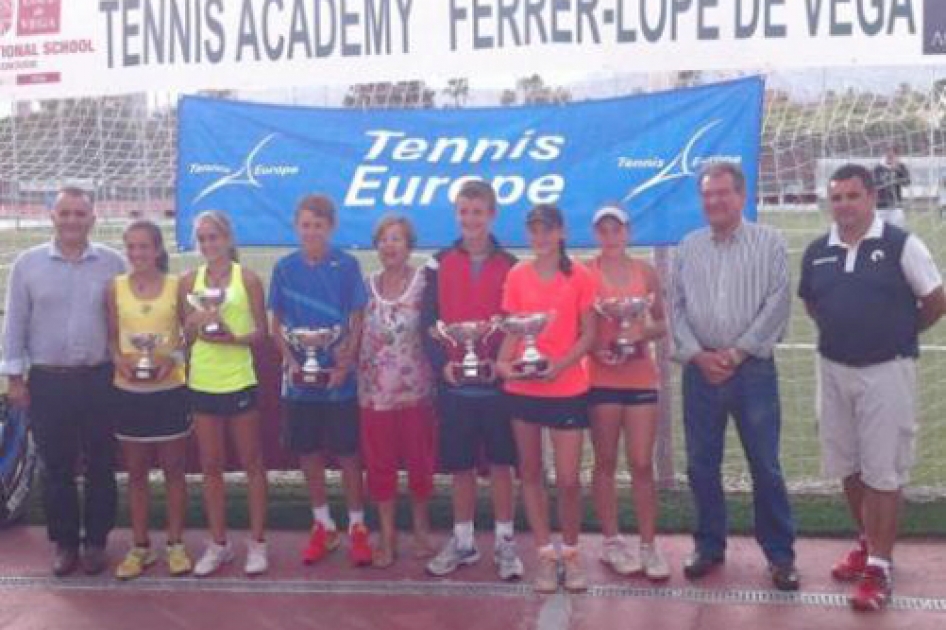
point(532, 90)
point(689, 78)
point(458, 90)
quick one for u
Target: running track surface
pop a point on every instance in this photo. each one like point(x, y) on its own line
point(334, 595)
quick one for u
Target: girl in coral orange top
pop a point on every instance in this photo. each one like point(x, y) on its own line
point(623, 396)
point(555, 398)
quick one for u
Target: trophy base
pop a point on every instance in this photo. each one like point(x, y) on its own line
point(481, 374)
point(311, 379)
point(530, 369)
point(626, 351)
point(213, 330)
point(145, 374)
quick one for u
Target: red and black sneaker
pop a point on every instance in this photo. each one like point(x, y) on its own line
point(359, 550)
point(852, 565)
point(873, 590)
point(321, 542)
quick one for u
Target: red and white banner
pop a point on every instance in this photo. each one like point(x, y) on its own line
point(55, 49)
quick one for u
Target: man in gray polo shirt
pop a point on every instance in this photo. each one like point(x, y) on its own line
point(871, 288)
point(730, 307)
point(56, 357)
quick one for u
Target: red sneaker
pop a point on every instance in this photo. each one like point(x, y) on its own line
point(852, 566)
point(873, 590)
point(321, 542)
point(359, 550)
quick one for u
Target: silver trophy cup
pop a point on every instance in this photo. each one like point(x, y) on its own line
point(626, 311)
point(471, 369)
point(308, 342)
point(145, 343)
point(209, 300)
point(532, 363)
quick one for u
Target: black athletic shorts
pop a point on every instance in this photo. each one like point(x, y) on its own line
point(312, 427)
point(471, 426)
point(228, 404)
point(151, 416)
point(570, 412)
point(623, 397)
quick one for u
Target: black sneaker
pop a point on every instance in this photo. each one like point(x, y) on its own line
point(698, 564)
point(785, 577)
point(93, 559)
point(65, 561)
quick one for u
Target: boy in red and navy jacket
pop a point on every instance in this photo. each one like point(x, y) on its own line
point(465, 283)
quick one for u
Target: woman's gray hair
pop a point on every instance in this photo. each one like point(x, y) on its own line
point(391, 220)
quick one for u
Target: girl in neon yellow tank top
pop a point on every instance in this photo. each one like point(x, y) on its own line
point(223, 383)
point(152, 421)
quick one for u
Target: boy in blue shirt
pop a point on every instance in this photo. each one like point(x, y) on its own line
point(320, 286)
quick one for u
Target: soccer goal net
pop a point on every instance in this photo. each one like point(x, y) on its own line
point(123, 148)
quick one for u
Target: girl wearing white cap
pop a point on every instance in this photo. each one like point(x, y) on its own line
point(624, 394)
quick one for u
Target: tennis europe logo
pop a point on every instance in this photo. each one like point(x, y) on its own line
point(934, 29)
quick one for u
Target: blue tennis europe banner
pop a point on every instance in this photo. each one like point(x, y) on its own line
point(255, 162)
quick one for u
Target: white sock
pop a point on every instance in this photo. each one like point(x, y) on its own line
point(874, 561)
point(321, 515)
point(568, 550)
point(355, 517)
point(548, 550)
point(504, 529)
point(464, 534)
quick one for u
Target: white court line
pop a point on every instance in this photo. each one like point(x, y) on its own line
point(556, 609)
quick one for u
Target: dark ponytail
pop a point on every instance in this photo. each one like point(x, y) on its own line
point(564, 261)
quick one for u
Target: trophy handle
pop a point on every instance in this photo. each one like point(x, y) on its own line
point(495, 325)
point(599, 307)
point(648, 300)
point(441, 328)
point(289, 338)
point(335, 339)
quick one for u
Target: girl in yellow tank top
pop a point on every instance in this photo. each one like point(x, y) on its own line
point(223, 383)
point(156, 315)
point(150, 398)
point(217, 367)
point(623, 399)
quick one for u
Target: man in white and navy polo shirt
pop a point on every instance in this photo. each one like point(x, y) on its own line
point(871, 288)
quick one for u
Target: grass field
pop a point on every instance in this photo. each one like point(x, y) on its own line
point(796, 359)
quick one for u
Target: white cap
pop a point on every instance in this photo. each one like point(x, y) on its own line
point(614, 212)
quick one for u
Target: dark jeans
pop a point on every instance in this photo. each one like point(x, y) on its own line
point(751, 397)
point(72, 422)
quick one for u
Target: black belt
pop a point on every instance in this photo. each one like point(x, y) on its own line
point(73, 370)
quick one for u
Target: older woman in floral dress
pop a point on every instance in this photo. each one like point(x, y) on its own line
point(395, 388)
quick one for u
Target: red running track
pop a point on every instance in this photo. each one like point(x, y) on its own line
point(334, 595)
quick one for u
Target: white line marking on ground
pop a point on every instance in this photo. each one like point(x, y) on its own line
point(450, 588)
point(555, 613)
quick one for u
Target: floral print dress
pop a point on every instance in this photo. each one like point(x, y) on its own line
point(393, 371)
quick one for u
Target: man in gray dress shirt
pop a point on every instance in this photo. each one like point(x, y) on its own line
point(55, 355)
point(731, 305)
